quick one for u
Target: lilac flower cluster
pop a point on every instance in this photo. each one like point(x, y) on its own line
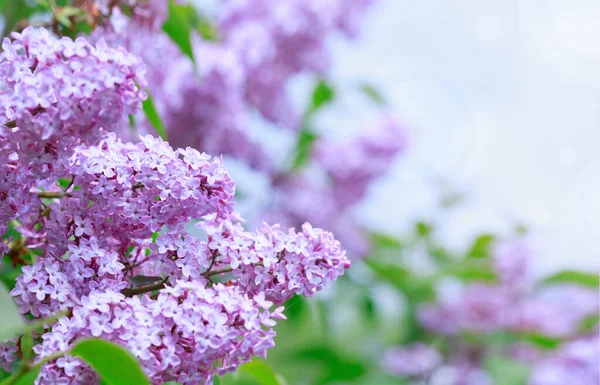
point(56, 94)
point(417, 360)
point(578, 362)
point(354, 165)
point(59, 93)
point(506, 305)
point(179, 336)
point(277, 263)
point(349, 168)
point(120, 219)
point(276, 40)
point(261, 46)
point(513, 305)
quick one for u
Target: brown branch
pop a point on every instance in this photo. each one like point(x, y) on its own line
point(209, 273)
point(52, 194)
point(130, 292)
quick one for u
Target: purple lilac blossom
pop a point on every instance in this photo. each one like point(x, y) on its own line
point(354, 165)
point(201, 105)
point(513, 303)
point(56, 94)
point(261, 45)
point(277, 40)
point(575, 363)
point(417, 360)
point(95, 238)
point(349, 168)
point(188, 334)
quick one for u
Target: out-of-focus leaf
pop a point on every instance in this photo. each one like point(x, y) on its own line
point(385, 240)
point(338, 367)
point(27, 345)
point(64, 15)
point(113, 363)
point(206, 29)
point(3, 374)
point(178, 27)
point(589, 323)
point(414, 288)
point(16, 11)
point(471, 270)
point(26, 379)
point(482, 246)
point(423, 229)
point(541, 341)
point(8, 273)
point(11, 321)
point(295, 307)
point(581, 278)
point(373, 93)
point(261, 371)
point(304, 144)
point(395, 275)
point(153, 117)
point(440, 254)
point(322, 95)
point(368, 306)
point(506, 371)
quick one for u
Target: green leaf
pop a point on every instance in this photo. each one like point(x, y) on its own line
point(64, 182)
point(322, 95)
point(581, 278)
point(295, 308)
point(304, 145)
point(541, 341)
point(178, 27)
point(338, 367)
point(26, 379)
point(373, 93)
point(506, 371)
point(423, 229)
point(11, 321)
point(261, 371)
point(205, 28)
point(152, 115)
point(414, 288)
point(27, 345)
point(471, 271)
point(589, 323)
point(395, 275)
point(63, 19)
point(113, 363)
point(9, 274)
point(482, 246)
point(385, 241)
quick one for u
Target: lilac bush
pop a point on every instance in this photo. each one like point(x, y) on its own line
point(537, 332)
point(99, 223)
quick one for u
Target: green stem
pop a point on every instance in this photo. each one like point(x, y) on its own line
point(28, 367)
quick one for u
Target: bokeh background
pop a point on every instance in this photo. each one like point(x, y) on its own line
point(502, 104)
